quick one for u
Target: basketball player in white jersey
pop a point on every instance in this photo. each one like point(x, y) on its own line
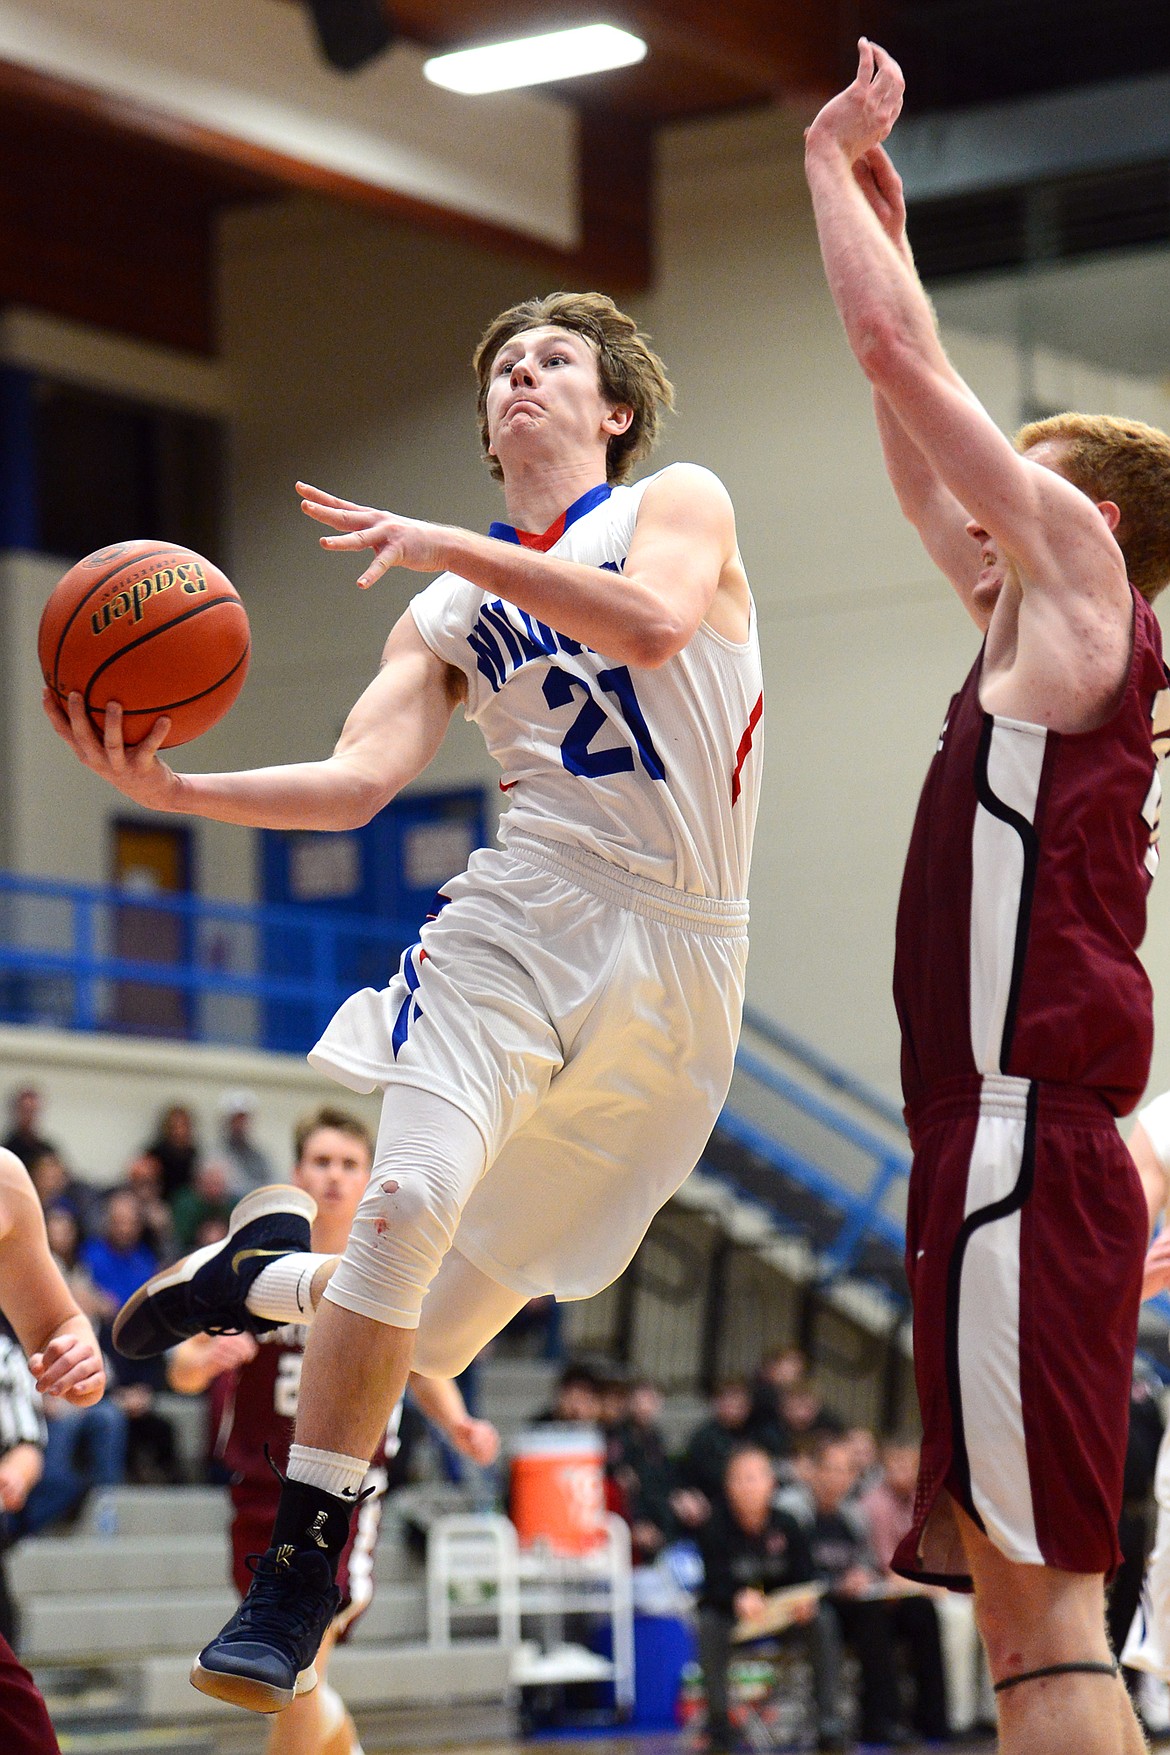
point(555, 1050)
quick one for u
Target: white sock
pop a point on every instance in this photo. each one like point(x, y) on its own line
point(280, 1292)
point(331, 1470)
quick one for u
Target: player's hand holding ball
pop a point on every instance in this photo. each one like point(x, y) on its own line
point(143, 646)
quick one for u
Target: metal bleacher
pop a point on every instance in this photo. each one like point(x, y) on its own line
point(824, 1154)
point(112, 1617)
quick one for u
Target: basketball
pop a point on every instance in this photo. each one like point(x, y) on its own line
point(153, 626)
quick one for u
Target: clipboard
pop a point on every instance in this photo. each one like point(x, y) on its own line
point(780, 1611)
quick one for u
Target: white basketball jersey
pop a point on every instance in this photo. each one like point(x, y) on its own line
point(657, 771)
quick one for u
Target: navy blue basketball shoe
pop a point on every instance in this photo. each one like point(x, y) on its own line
point(205, 1292)
point(267, 1652)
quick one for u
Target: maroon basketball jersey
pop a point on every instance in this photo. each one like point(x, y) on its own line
point(1024, 898)
point(260, 1408)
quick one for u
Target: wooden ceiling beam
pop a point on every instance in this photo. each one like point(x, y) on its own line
point(783, 48)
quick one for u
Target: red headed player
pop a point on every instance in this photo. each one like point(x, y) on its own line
point(334, 1154)
point(1026, 1015)
point(66, 1362)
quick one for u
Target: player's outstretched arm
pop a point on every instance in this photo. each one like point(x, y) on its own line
point(926, 502)
point(389, 737)
point(1055, 534)
point(442, 1402)
point(62, 1350)
point(678, 560)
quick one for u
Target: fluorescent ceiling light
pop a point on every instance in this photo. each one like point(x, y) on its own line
point(558, 54)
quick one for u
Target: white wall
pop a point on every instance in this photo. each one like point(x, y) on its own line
point(105, 1094)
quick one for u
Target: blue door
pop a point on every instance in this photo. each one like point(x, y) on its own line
point(373, 886)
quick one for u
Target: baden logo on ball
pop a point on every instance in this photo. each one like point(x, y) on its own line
point(153, 626)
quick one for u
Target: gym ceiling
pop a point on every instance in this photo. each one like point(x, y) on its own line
point(1034, 130)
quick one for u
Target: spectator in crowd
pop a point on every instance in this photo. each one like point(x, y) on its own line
point(144, 1176)
point(888, 1509)
point(703, 1462)
point(56, 1186)
point(614, 1390)
point(24, 1135)
point(207, 1197)
point(750, 1549)
point(867, 1465)
point(248, 1165)
point(85, 1450)
point(119, 1260)
point(639, 1463)
point(152, 1452)
point(782, 1370)
point(22, 1441)
point(577, 1397)
point(175, 1148)
point(541, 1321)
point(65, 1240)
point(807, 1415)
point(844, 1560)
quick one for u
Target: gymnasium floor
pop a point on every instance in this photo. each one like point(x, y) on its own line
point(381, 1736)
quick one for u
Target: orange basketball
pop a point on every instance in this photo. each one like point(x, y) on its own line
point(153, 626)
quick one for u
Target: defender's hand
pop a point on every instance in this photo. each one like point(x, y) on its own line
point(862, 115)
point(881, 185)
point(396, 542)
point(71, 1368)
point(136, 771)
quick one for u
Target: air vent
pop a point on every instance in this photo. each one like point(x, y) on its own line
point(1047, 222)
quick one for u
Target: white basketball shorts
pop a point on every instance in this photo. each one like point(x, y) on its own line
point(586, 1020)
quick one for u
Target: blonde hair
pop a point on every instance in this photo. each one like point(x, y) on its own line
point(1124, 461)
point(629, 369)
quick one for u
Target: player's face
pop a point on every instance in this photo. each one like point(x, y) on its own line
point(993, 568)
point(334, 1168)
point(545, 400)
point(994, 564)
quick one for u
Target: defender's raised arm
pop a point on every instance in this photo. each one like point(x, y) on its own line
point(945, 454)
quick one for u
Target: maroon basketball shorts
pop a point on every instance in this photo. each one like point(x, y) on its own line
point(25, 1726)
point(1025, 1238)
point(253, 1515)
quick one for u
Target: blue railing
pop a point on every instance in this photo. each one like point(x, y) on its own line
point(854, 1206)
point(95, 957)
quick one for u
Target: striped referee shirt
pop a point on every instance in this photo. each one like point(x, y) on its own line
point(21, 1420)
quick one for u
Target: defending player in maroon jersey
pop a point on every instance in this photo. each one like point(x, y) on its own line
point(65, 1361)
point(260, 1379)
point(1026, 1016)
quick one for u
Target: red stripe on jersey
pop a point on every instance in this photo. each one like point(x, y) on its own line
point(506, 785)
point(544, 539)
point(745, 744)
